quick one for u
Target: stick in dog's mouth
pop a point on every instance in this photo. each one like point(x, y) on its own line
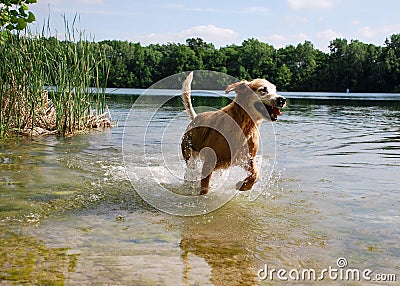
point(273, 112)
point(268, 111)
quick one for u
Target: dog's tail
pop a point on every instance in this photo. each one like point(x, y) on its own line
point(186, 91)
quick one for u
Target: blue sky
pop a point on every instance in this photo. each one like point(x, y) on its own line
point(278, 22)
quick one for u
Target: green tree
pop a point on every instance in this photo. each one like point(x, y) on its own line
point(230, 60)
point(304, 63)
point(355, 65)
point(118, 56)
point(151, 68)
point(203, 51)
point(283, 78)
point(178, 58)
point(392, 62)
point(306, 66)
point(374, 71)
point(14, 14)
point(322, 77)
point(258, 58)
point(338, 65)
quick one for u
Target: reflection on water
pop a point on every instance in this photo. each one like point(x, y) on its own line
point(147, 247)
point(68, 213)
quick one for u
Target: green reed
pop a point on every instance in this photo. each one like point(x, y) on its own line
point(74, 72)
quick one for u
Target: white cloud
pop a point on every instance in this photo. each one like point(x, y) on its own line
point(311, 4)
point(379, 31)
point(320, 40)
point(209, 33)
point(279, 41)
point(276, 38)
point(328, 35)
point(323, 38)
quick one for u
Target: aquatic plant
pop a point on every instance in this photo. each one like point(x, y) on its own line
point(50, 85)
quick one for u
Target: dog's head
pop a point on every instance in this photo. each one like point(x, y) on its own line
point(260, 94)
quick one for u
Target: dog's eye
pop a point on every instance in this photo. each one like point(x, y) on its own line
point(263, 89)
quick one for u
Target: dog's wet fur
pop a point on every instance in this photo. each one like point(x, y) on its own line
point(230, 135)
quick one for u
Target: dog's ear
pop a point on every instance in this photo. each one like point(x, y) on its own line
point(237, 86)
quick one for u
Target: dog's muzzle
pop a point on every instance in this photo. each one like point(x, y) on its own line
point(272, 110)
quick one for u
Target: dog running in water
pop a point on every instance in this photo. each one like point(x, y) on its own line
point(229, 136)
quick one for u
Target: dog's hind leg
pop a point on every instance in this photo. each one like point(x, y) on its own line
point(210, 160)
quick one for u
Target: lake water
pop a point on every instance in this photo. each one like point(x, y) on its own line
point(70, 215)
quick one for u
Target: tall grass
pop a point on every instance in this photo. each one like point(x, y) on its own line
point(74, 67)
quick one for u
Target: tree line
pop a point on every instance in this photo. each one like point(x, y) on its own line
point(352, 65)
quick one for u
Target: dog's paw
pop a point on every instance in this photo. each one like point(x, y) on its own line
point(243, 186)
point(239, 185)
point(203, 191)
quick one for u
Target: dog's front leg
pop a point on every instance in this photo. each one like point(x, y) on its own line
point(205, 183)
point(248, 183)
point(210, 160)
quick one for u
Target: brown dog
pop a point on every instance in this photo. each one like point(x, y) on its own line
point(230, 136)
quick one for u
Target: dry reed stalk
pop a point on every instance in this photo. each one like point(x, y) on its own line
point(44, 122)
